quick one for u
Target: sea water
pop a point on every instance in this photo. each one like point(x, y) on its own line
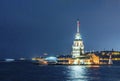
point(27, 71)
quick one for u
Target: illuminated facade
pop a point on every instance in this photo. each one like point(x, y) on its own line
point(78, 46)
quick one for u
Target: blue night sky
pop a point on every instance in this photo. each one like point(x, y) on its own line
point(30, 28)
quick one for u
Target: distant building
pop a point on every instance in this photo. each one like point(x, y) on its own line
point(9, 60)
point(104, 55)
point(78, 46)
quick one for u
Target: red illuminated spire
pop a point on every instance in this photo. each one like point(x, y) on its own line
point(78, 26)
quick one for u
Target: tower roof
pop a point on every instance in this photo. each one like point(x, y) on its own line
point(78, 36)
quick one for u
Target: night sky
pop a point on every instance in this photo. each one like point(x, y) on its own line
point(30, 28)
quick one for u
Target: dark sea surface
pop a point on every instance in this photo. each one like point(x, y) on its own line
point(26, 71)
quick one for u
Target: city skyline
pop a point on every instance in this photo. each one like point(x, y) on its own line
point(31, 28)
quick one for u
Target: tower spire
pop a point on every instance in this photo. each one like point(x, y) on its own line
point(78, 26)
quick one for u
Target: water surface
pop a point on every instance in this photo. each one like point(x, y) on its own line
point(26, 71)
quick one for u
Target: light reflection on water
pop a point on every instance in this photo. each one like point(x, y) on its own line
point(82, 73)
point(25, 71)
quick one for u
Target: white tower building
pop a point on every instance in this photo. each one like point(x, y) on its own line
point(78, 46)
